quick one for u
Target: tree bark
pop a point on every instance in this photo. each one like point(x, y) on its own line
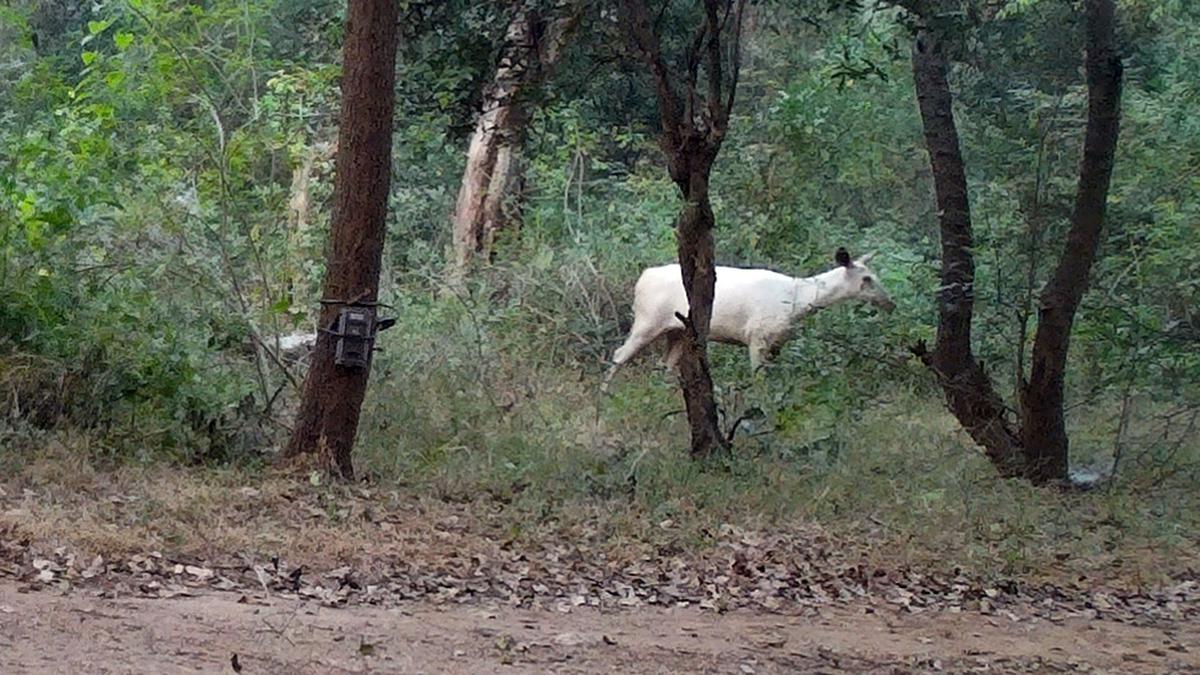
point(694, 242)
point(1043, 432)
point(969, 391)
point(333, 395)
point(489, 197)
point(694, 124)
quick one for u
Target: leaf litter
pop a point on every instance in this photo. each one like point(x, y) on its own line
point(795, 573)
point(453, 560)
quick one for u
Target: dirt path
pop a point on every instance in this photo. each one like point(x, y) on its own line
point(78, 632)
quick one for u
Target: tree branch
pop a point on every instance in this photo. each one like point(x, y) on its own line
point(713, 65)
point(646, 42)
point(735, 58)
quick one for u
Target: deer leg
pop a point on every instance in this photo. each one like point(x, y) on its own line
point(759, 352)
point(639, 337)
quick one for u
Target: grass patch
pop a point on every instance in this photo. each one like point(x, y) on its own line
point(903, 484)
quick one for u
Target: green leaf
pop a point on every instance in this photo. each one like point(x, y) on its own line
point(58, 218)
point(102, 111)
point(123, 40)
point(34, 234)
point(98, 27)
point(114, 79)
point(88, 58)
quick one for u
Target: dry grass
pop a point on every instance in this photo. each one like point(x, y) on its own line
point(225, 514)
point(909, 495)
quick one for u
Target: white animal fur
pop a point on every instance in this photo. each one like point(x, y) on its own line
point(753, 307)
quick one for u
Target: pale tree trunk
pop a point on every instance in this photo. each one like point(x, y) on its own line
point(1043, 430)
point(694, 121)
point(1039, 449)
point(328, 418)
point(489, 197)
point(300, 211)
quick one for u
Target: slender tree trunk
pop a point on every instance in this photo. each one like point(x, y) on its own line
point(969, 392)
point(1043, 430)
point(479, 212)
point(694, 123)
point(694, 240)
point(300, 210)
point(489, 197)
point(333, 395)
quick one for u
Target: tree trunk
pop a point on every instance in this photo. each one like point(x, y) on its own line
point(694, 123)
point(969, 391)
point(300, 211)
point(489, 197)
point(333, 395)
point(694, 240)
point(1039, 451)
point(1043, 432)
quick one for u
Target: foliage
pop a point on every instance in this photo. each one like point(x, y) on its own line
point(143, 235)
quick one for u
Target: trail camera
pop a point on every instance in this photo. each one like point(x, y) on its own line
point(355, 331)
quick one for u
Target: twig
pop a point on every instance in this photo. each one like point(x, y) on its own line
point(1118, 442)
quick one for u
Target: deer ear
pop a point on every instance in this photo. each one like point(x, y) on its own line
point(842, 257)
point(865, 259)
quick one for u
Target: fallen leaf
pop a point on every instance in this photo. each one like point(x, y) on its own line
point(769, 640)
point(199, 572)
point(569, 639)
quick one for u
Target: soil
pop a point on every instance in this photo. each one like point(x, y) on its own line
point(46, 630)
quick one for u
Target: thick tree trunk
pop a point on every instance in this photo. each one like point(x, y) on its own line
point(1043, 430)
point(333, 395)
point(489, 197)
point(969, 391)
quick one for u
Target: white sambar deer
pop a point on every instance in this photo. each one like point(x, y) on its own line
point(753, 307)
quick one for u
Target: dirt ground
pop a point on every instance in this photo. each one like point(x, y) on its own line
point(45, 631)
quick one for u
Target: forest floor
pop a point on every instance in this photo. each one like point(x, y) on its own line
point(167, 570)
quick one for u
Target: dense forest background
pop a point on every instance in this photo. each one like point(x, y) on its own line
point(165, 180)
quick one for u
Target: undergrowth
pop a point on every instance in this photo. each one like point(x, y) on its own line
point(486, 400)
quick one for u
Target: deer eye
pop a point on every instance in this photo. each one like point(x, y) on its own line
point(867, 281)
